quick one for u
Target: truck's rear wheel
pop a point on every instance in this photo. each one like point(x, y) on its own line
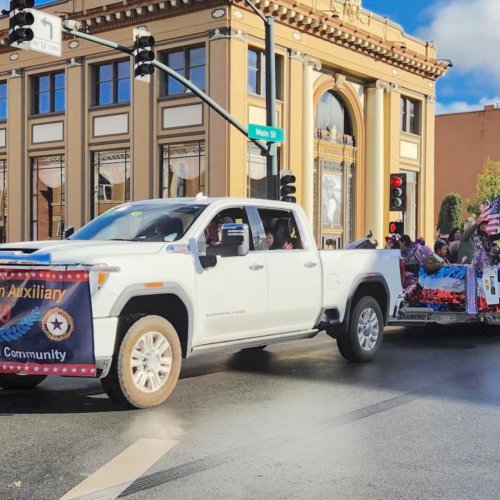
point(146, 369)
point(364, 336)
point(22, 382)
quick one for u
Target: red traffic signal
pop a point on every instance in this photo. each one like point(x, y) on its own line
point(396, 181)
point(397, 192)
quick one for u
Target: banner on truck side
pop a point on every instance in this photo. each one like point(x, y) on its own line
point(46, 323)
point(491, 284)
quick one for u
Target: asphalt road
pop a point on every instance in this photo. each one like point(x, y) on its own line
point(292, 422)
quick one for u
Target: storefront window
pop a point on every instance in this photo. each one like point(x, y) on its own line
point(183, 170)
point(257, 172)
point(111, 173)
point(47, 197)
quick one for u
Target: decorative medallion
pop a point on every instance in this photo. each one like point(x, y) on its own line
point(218, 13)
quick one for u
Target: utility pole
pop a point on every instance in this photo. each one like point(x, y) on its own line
point(272, 151)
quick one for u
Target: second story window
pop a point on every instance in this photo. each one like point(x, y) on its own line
point(410, 116)
point(256, 79)
point(111, 83)
point(190, 63)
point(3, 100)
point(49, 93)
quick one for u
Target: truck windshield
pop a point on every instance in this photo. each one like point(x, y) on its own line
point(136, 222)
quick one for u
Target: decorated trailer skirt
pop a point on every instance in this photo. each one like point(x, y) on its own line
point(46, 322)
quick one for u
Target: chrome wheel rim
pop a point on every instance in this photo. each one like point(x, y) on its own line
point(151, 362)
point(368, 329)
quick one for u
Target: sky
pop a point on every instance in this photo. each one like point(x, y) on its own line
point(465, 31)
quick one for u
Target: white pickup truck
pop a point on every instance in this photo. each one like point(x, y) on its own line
point(169, 278)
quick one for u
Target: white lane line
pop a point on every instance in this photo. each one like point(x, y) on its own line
point(124, 469)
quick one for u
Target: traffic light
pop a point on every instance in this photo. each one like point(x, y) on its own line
point(397, 193)
point(19, 20)
point(143, 55)
point(396, 228)
point(287, 188)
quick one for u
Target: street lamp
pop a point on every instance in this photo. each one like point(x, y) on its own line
point(272, 153)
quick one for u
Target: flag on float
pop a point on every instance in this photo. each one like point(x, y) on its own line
point(490, 213)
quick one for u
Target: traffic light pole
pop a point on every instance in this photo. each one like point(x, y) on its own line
point(204, 97)
point(272, 152)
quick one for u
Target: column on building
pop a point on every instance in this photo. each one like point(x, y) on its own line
point(307, 197)
point(392, 147)
point(76, 186)
point(293, 139)
point(17, 180)
point(426, 214)
point(374, 206)
point(218, 128)
point(142, 144)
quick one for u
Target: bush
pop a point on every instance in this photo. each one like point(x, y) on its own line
point(450, 213)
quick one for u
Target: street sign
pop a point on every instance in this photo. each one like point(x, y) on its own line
point(268, 134)
point(47, 30)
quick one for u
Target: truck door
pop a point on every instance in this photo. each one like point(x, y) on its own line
point(232, 296)
point(293, 273)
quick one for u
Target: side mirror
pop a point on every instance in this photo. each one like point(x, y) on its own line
point(235, 241)
point(68, 231)
point(208, 261)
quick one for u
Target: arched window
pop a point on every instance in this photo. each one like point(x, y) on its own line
point(333, 121)
point(335, 172)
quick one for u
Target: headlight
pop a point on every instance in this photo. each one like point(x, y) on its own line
point(97, 280)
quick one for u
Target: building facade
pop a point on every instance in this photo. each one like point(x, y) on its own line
point(464, 141)
point(355, 97)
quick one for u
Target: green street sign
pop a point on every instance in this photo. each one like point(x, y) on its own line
point(268, 134)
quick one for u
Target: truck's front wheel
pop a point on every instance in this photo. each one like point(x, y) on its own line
point(146, 369)
point(21, 382)
point(364, 336)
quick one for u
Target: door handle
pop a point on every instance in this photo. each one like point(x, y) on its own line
point(256, 267)
point(310, 263)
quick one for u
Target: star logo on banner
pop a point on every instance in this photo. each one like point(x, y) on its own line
point(57, 324)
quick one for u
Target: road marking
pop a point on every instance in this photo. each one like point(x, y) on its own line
point(122, 470)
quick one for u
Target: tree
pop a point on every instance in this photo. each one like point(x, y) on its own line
point(487, 186)
point(450, 213)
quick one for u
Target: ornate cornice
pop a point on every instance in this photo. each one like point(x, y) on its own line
point(287, 12)
point(130, 13)
point(316, 23)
